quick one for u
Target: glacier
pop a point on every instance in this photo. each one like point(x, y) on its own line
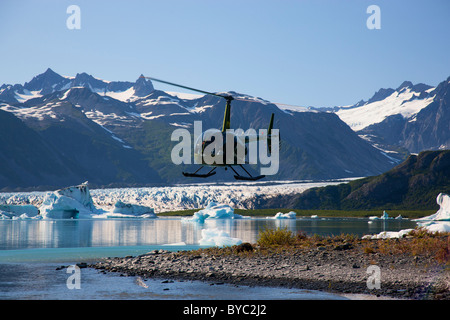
point(72, 202)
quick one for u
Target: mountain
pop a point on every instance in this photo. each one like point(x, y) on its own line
point(409, 119)
point(50, 82)
point(118, 132)
point(55, 144)
point(413, 184)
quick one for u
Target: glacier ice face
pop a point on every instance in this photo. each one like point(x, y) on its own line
point(183, 197)
point(219, 238)
point(214, 211)
point(180, 197)
point(171, 198)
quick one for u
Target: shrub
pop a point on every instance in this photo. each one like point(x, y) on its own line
point(271, 237)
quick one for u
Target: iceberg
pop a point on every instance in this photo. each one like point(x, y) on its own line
point(76, 202)
point(219, 238)
point(433, 227)
point(443, 214)
point(389, 234)
point(214, 211)
point(384, 216)
point(133, 210)
point(439, 226)
point(68, 203)
point(289, 215)
point(437, 222)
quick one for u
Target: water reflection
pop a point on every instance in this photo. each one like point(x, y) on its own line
point(21, 234)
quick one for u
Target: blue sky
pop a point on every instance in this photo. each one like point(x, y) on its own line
point(317, 53)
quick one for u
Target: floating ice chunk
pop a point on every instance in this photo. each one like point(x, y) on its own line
point(71, 202)
point(438, 227)
point(443, 214)
point(389, 234)
point(133, 210)
point(114, 215)
point(25, 216)
point(219, 238)
point(384, 216)
point(182, 243)
point(11, 211)
point(214, 211)
point(289, 215)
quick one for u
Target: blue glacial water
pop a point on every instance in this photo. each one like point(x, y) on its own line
point(32, 250)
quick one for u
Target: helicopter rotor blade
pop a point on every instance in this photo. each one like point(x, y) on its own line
point(278, 104)
point(185, 87)
point(226, 97)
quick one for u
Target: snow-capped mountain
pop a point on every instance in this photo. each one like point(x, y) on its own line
point(407, 100)
point(50, 82)
point(411, 118)
point(72, 129)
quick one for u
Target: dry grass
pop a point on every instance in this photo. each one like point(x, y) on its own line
point(276, 237)
point(418, 243)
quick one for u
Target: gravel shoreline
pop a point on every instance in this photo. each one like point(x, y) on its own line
point(339, 269)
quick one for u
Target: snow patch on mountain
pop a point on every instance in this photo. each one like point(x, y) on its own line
point(38, 112)
point(406, 103)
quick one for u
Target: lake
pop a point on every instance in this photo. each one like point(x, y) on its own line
point(30, 251)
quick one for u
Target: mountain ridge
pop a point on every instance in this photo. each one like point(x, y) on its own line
point(412, 185)
point(409, 119)
point(138, 119)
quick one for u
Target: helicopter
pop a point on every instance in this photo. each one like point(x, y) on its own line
point(213, 143)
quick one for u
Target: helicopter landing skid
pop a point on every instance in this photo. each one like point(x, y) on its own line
point(200, 175)
point(249, 178)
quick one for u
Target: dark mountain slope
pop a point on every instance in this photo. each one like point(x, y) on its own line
point(414, 184)
point(63, 148)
